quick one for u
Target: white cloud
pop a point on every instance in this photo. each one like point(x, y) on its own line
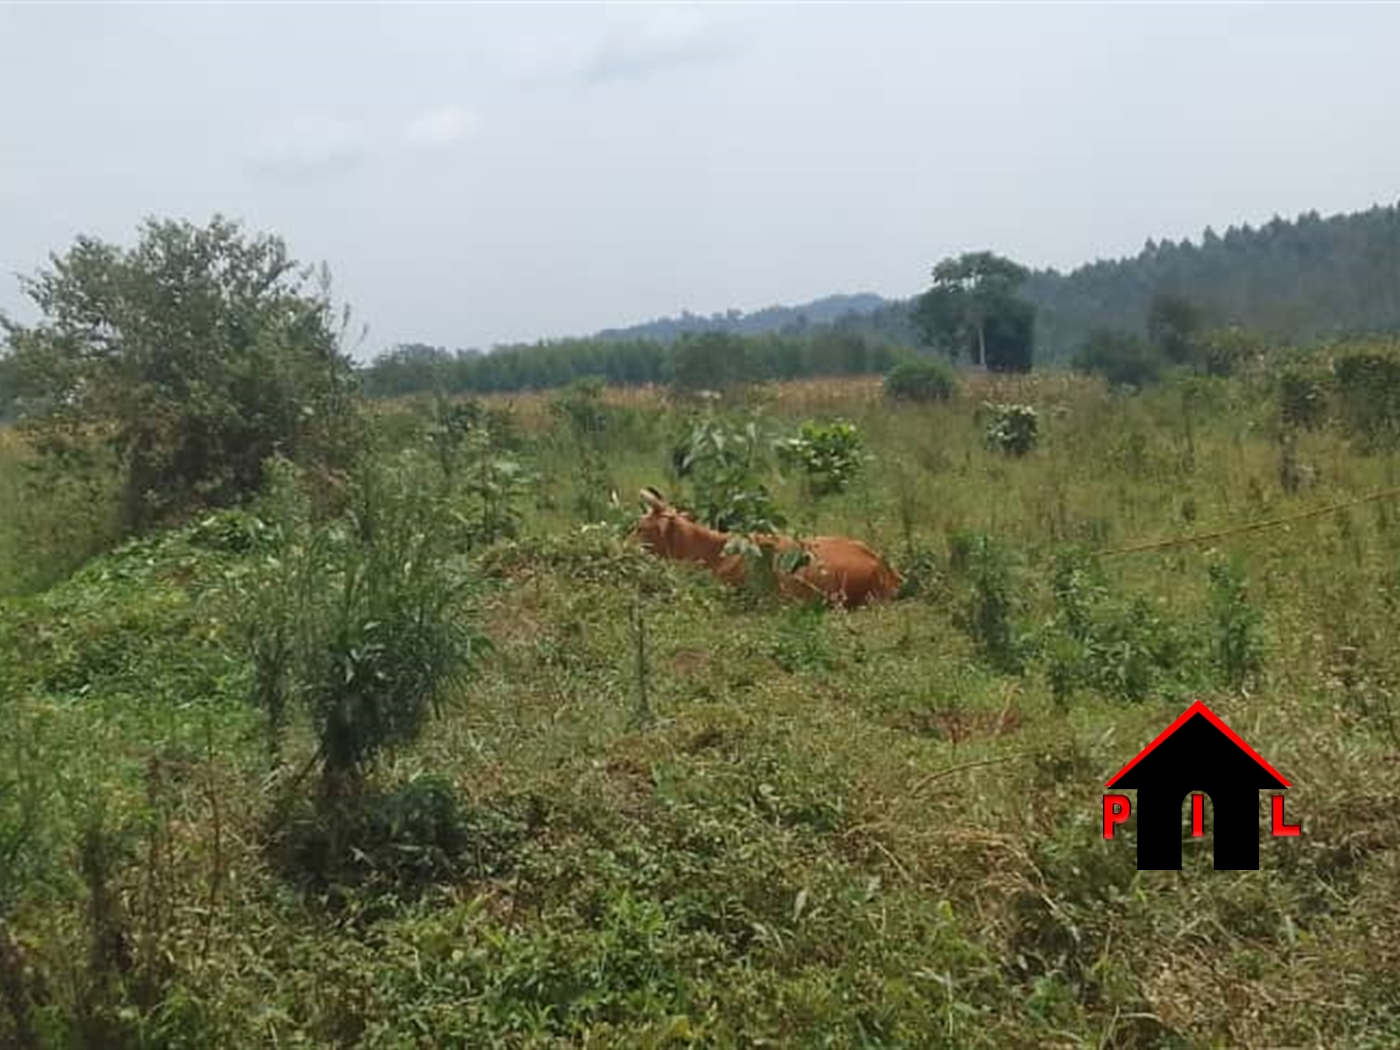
point(650, 39)
point(307, 147)
point(628, 42)
point(441, 127)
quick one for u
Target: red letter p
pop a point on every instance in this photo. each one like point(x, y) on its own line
point(1116, 810)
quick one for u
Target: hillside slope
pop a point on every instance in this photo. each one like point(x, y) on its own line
point(868, 829)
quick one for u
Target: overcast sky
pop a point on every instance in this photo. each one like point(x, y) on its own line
point(485, 174)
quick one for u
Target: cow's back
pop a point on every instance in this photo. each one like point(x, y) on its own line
point(845, 567)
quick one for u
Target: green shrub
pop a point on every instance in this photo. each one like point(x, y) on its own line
point(1238, 648)
point(362, 621)
point(194, 356)
point(1302, 397)
point(990, 604)
point(392, 643)
point(587, 420)
point(1126, 649)
point(828, 454)
point(1122, 358)
point(1368, 395)
point(923, 380)
point(400, 839)
point(1011, 429)
point(486, 501)
point(448, 431)
point(726, 465)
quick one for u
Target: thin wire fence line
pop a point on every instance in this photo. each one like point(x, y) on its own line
point(1255, 526)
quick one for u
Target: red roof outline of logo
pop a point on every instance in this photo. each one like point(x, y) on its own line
point(1200, 708)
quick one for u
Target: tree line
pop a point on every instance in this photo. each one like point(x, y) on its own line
point(973, 310)
point(693, 360)
point(1285, 282)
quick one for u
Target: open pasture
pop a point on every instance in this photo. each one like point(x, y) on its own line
point(663, 813)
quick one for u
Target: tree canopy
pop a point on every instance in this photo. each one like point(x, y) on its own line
point(196, 355)
point(973, 308)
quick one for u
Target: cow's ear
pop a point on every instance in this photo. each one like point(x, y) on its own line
point(653, 500)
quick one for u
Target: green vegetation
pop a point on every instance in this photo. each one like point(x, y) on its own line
point(1011, 429)
point(1312, 280)
point(973, 308)
point(1122, 358)
point(921, 379)
point(695, 361)
point(828, 455)
point(1368, 395)
point(196, 354)
point(1305, 281)
point(728, 464)
point(568, 794)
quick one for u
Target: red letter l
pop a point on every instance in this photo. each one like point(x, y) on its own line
point(1280, 828)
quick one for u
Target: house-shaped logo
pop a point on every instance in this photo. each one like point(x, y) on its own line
point(1197, 755)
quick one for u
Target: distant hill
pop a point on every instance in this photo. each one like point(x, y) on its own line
point(1296, 282)
point(1301, 281)
point(826, 311)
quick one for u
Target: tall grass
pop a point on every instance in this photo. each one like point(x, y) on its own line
point(877, 828)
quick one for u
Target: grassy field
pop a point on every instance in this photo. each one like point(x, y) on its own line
point(878, 828)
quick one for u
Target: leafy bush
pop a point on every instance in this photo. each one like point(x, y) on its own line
point(1224, 352)
point(362, 622)
point(828, 454)
point(990, 604)
point(1122, 358)
point(400, 839)
point(1125, 648)
point(725, 463)
point(1368, 395)
point(1302, 397)
point(1238, 649)
point(392, 643)
point(194, 356)
point(580, 407)
point(1011, 429)
point(486, 505)
point(923, 380)
point(448, 430)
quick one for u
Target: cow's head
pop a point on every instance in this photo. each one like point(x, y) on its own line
point(655, 530)
point(670, 532)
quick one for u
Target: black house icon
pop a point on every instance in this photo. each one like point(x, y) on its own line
point(1198, 752)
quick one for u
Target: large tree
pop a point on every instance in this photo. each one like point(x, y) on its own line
point(1173, 324)
point(196, 354)
point(973, 308)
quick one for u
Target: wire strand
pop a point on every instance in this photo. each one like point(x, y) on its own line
point(1256, 526)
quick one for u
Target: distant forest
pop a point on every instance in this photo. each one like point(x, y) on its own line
point(1295, 282)
point(695, 360)
point(825, 311)
point(1300, 282)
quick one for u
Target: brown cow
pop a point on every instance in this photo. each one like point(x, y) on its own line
point(839, 570)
